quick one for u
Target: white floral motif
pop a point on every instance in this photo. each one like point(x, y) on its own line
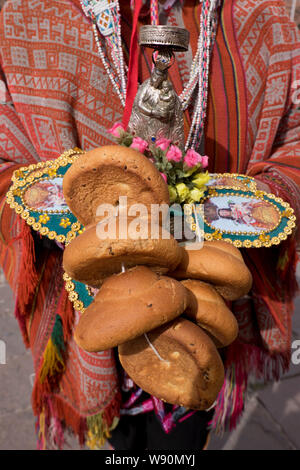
point(47, 134)
point(276, 91)
point(66, 138)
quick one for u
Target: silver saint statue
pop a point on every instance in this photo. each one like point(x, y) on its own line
point(157, 110)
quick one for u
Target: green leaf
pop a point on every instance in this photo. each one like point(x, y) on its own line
point(127, 139)
point(179, 173)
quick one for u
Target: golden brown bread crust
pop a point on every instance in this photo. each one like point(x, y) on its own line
point(208, 310)
point(142, 301)
point(104, 174)
point(218, 263)
point(90, 260)
point(191, 373)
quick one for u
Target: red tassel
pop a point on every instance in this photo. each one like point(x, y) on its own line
point(22, 324)
point(70, 418)
point(66, 312)
point(27, 276)
point(40, 392)
point(56, 408)
point(286, 267)
point(113, 409)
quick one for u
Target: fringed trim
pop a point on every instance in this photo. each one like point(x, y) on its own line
point(41, 429)
point(69, 418)
point(22, 324)
point(286, 267)
point(27, 276)
point(243, 360)
point(53, 362)
point(98, 431)
point(52, 366)
point(101, 424)
point(54, 414)
point(66, 310)
point(57, 416)
point(113, 410)
point(56, 438)
point(50, 432)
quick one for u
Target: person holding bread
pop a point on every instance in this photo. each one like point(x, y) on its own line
point(59, 91)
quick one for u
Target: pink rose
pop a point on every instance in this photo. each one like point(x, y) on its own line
point(139, 144)
point(192, 158)
point(116, 129)
point(204, 161)
point(162, 143)
point(164, 177)
point(174, 154)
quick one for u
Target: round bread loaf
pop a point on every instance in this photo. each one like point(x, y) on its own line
point(218, 263)
point(180, 364)
point(208, 309)
point(104, 174)
point(90, 259)
point(128, 305)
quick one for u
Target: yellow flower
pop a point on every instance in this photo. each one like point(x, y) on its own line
point(195, 195)
point(52, 172)
point(216, 235)
point(17, 192)
point(182, 191)
point(212, 192)
point(201, 180)
point(43, 219)
point(172, 193)
point(65, 222)
point(19, 174)
point(264, 238)
point(287, 213)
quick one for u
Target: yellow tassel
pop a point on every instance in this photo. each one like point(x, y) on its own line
point(98, 432)
point(94, 442)
point(42, 429)
point(52, 363)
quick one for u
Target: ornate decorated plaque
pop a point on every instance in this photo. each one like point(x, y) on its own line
point(36, 194)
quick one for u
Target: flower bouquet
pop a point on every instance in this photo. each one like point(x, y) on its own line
point(184, 172)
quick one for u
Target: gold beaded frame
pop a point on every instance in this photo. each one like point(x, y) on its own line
point(265, 238)
point(25, 177)
point(74, 293)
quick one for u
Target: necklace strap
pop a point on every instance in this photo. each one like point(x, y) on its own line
point(154, 14)
point(132, 81)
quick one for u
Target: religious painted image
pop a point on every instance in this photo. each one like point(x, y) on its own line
point(46, 195)
point(240, 214)
point(228, 182)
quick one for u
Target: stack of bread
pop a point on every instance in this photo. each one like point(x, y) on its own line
point(163, 306)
